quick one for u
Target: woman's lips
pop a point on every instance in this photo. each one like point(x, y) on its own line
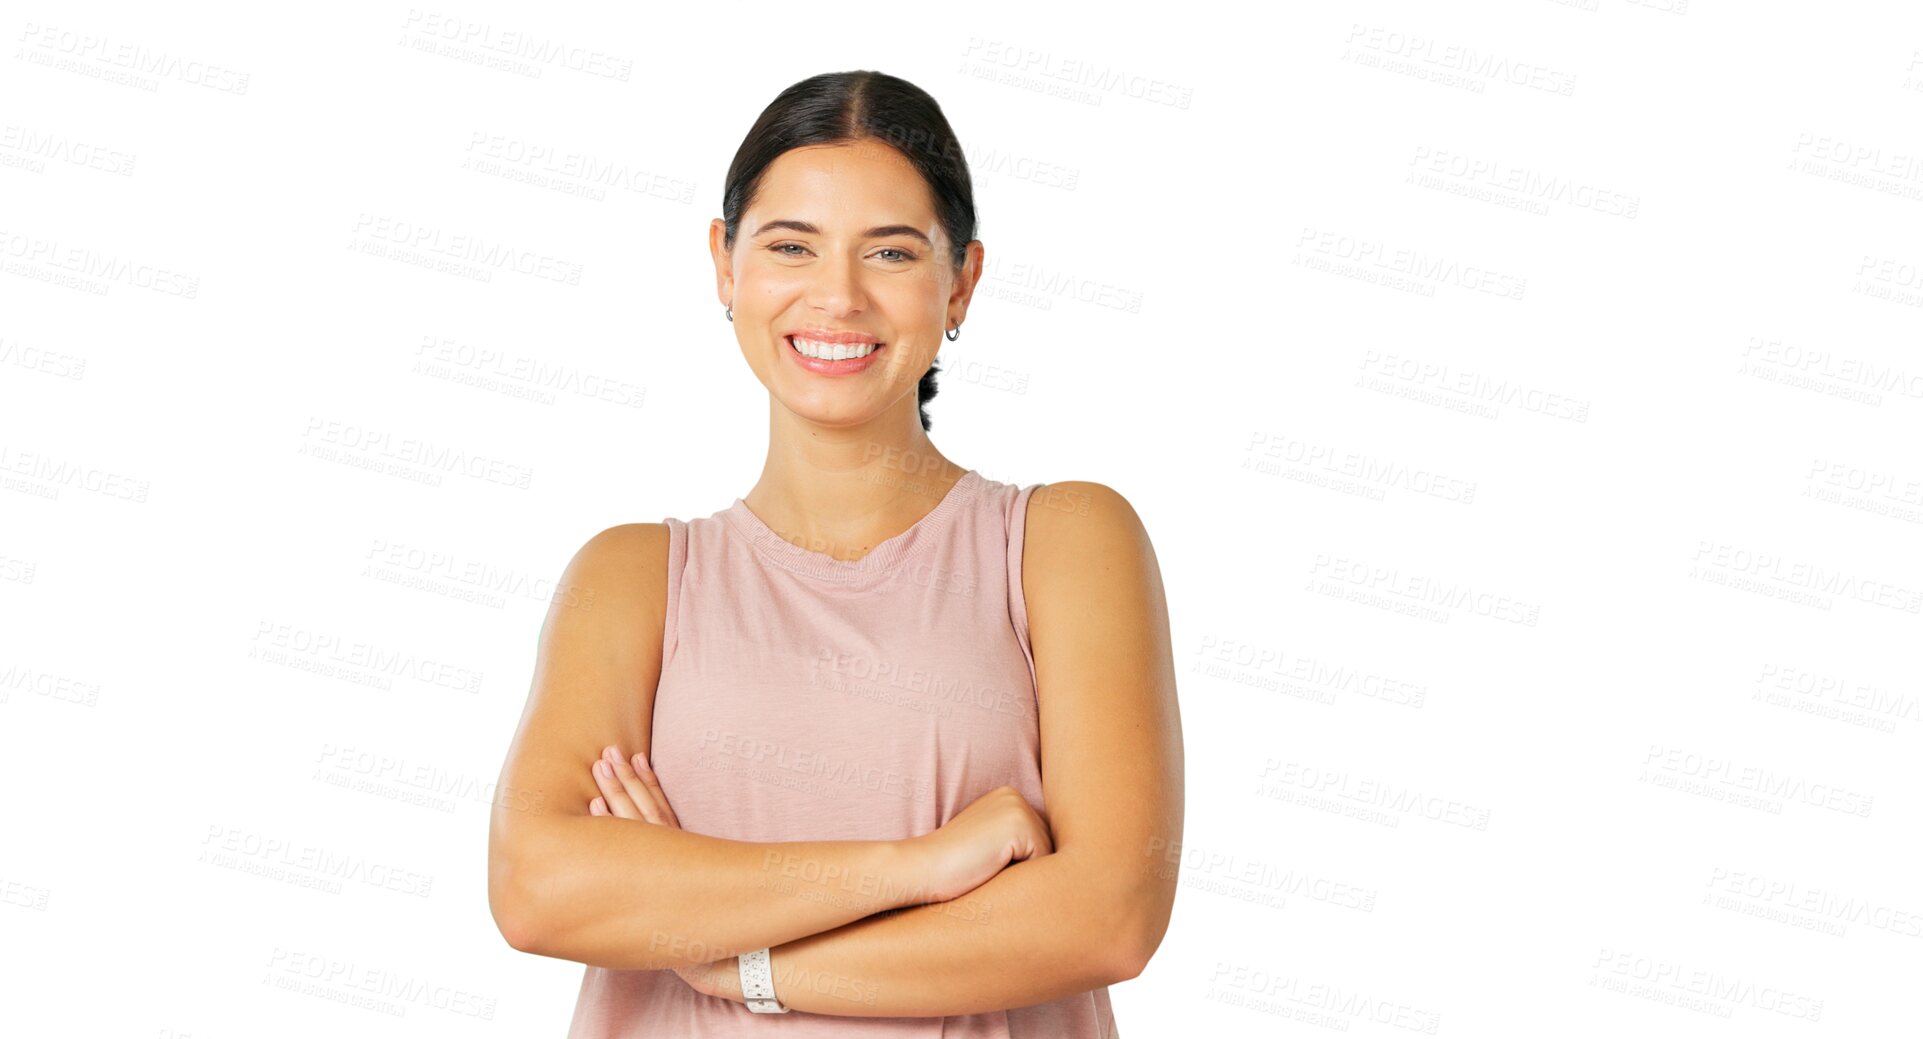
point(848, 366)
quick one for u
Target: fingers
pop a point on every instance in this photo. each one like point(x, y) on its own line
point(621, 800)
point(630, 795)
point(653, 787)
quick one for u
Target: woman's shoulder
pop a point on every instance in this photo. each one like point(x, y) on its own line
point(1088, 568)
point(1083, 505)
point(624, 541)
point(1072, 525)
point(623, 564)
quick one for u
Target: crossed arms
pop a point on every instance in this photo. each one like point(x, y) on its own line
point(849, 933)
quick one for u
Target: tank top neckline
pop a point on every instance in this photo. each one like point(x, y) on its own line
point(883, 558)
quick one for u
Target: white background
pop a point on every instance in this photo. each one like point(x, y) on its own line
point(1523, 398)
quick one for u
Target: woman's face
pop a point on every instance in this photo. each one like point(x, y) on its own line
point(842, 241)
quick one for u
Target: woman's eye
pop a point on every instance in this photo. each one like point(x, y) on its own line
point(900, 255)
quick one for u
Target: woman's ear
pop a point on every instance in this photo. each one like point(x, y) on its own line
point(723, 261)
point(967, 278)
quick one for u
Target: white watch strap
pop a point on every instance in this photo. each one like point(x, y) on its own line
point(758, 983)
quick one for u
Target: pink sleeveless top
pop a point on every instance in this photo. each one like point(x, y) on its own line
point(804, 697)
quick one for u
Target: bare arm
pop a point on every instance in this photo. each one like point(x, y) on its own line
point(1041, 930)
point(1092, 913)
point(564, 883)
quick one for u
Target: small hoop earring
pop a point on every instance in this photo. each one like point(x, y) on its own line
point(731, 313)
point(953, 333)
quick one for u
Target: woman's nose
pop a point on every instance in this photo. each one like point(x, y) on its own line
point(837, 286)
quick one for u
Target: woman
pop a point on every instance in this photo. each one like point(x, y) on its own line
point(799, 744)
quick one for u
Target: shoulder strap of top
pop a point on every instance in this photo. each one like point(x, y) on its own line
point(677, 562)
point(1017, 601)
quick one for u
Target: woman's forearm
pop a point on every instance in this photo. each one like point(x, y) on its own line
point(635, 896)
point(1038, 931)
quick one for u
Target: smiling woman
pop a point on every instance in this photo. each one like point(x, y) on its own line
point(791, 760)
point(849, 184)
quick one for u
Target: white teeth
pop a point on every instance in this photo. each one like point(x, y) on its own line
point(832, 351)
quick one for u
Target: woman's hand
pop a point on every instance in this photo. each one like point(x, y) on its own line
point(996, 829)
point(721, 979)
point(629, 790)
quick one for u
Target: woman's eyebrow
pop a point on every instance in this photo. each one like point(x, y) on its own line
point(803, 227)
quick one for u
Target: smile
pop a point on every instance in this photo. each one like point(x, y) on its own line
point(833, 351)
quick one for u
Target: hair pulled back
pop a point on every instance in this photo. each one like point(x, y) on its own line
point(843, 107)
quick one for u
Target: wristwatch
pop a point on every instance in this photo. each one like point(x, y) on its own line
point(758, 983)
